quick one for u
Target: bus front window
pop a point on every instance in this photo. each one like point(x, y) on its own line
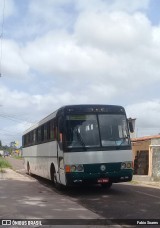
point(113, 130)
point(82, 131)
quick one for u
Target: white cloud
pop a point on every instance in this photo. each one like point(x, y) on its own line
point(115, 48)
point(54, 53)
point(114, 32)
point(13, 99)
point(43, 16)
point(147, 116)
point(13, 64)
point(51, 12)
point(90, 51)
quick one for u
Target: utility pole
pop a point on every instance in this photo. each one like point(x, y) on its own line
point(12, 146)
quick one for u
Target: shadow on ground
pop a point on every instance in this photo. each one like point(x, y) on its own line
point(122, 201)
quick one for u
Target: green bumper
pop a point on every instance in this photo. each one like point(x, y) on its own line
point(92, 174)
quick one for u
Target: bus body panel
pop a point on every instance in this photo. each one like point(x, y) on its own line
point(92, 162)
point(40, 158)
point(93, 157)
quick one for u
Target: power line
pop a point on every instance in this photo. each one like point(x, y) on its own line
point(10, 132)
point(15, 118)
point(1, 37)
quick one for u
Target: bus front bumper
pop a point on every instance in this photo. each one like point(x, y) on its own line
point(94, 178)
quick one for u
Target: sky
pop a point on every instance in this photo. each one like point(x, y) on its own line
point(61, 52)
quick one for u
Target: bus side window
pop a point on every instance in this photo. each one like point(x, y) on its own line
point(55, 130)
point(31, 138)
point(60, 129)
point(39, 134)
point(48, 131)
point(24, 141)
point(34, 137)
point(42, 133)
point(45, 133)
point(52, 129)
point(27, 139)
point(60, 124)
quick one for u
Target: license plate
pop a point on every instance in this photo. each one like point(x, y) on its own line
point(103, 180)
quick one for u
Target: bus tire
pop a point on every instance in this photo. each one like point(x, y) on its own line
point(52, 173)
point(106, 185)
point(54, 178)
point(28, 169)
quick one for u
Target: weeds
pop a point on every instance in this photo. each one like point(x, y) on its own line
point(4, 164)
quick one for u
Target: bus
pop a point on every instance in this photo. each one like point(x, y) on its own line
point(80, 144)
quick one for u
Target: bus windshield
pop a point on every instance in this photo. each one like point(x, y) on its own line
point(98, 130)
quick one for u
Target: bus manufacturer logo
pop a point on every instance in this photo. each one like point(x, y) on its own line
point(103, 167)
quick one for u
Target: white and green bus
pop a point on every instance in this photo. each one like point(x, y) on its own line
point(80, 144)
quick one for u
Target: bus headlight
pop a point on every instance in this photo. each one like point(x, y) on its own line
point(129, 165)
point(123, 165)
point(74, 168)
point(126, 165)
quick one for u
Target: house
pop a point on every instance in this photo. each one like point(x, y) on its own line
point(146, 156)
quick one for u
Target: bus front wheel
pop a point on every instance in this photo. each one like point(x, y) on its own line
point(54, 178)
point(53, 174)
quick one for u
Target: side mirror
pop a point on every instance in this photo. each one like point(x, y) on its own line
point(130, 123)
point(131, 127)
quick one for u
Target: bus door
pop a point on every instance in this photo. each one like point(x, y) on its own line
point(60, 155)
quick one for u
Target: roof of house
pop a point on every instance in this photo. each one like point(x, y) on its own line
point(145, 138)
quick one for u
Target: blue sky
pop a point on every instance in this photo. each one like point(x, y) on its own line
point(153, 12)
point(59, 52)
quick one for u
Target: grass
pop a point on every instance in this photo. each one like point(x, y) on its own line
point(4, 164)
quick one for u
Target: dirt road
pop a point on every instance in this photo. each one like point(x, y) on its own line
point(17, 164)
point(24, 197)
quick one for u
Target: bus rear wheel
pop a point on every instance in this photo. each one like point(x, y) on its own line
point(106, 185)
point(28, 169)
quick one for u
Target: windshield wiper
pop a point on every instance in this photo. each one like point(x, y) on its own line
point(122, 141)
point(115, 140)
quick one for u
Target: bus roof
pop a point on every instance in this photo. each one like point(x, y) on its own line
point(87, 108)
point(44, 120)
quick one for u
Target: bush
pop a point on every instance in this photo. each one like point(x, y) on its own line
point(4, 163)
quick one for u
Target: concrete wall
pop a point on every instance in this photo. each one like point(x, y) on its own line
point(140, 146)
point(153, 148)
point(154, 171)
